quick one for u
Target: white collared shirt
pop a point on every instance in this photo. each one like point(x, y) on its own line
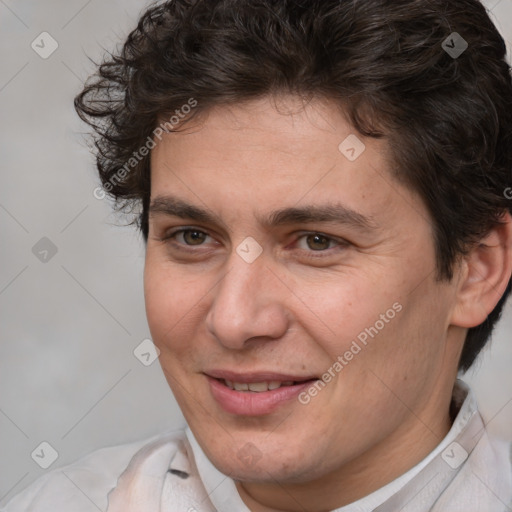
point(467, 472)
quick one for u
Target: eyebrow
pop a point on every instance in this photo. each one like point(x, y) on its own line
point(331, 212)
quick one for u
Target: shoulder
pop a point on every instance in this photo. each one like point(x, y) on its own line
point(84, 485)
point(484, 481)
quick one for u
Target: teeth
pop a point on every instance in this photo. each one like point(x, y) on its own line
point(257, 387)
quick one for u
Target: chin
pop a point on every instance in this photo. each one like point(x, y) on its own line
point(248, 464)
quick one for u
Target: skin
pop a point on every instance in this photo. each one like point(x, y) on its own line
point(303, 301)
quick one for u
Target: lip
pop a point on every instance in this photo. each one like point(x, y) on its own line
point(248, 377)
point(249, 403)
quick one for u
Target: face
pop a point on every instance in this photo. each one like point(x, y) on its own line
point(280, 260)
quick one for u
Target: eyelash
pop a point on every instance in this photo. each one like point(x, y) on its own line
point(340, 243)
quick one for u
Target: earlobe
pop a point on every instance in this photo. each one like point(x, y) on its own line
point(484, 275)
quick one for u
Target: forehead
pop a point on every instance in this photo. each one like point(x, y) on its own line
point(262, 156)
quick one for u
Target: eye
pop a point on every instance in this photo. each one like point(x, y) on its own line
point(187, 236)
point(314, 242)
point(318, 242)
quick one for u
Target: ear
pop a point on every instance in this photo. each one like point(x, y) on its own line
point(484, 276)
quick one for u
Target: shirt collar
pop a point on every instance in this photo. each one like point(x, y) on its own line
point(464, 408)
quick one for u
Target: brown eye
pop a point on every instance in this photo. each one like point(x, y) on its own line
point(317, 245)
point(318, 242)
point(193, 237)
point(186, 237)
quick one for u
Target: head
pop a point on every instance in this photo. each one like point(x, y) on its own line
point(343, 178)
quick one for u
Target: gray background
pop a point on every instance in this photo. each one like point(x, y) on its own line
point(68, 375)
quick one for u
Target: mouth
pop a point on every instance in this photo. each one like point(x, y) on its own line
point(255, 394)
point(260, 387)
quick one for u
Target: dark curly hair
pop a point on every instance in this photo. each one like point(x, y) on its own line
point(447, 118)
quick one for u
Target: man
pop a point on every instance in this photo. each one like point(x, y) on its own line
point(328, 243)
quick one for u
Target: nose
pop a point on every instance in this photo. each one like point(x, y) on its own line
point(248, 303)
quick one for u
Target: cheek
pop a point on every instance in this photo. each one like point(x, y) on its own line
point(379, 326)
point(408, 353)
point(171, 303)
point(348, 309)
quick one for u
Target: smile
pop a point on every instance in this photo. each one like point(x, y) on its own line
point(253, 396)
point(257, 387)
